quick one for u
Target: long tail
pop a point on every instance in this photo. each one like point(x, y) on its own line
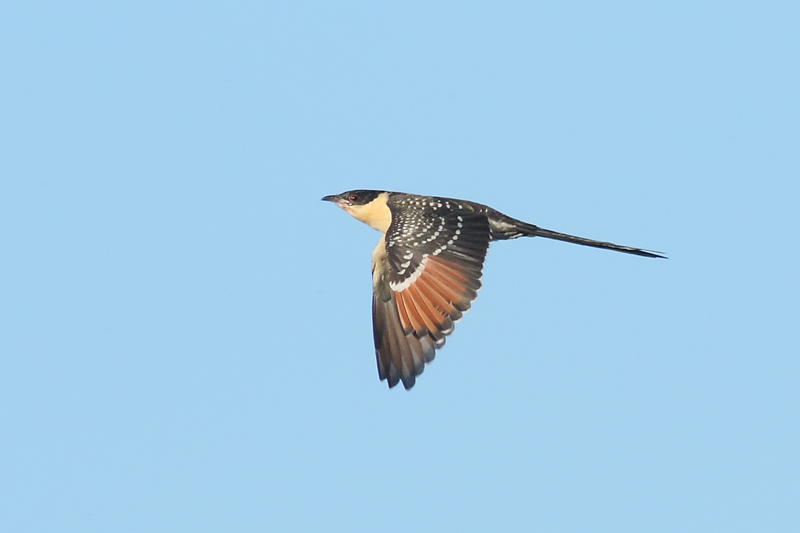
point(548, 234)
point(529, 230)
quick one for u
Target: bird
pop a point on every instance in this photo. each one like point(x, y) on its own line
point(427, 267)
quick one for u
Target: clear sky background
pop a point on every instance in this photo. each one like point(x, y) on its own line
point(185, 335)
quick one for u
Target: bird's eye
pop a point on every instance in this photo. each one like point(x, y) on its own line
point(352, 198)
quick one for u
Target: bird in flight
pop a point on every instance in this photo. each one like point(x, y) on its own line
point(426, 269)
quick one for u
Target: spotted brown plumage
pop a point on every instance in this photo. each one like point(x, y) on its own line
point(426, 269)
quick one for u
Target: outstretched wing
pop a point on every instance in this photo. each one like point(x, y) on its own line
point(424, 278)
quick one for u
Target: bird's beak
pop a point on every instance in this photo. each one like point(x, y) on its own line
point(336, 199)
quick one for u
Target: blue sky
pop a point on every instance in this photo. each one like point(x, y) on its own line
point(185, 337)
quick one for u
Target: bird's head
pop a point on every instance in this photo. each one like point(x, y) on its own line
point(347, 200)
point(367, 206)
